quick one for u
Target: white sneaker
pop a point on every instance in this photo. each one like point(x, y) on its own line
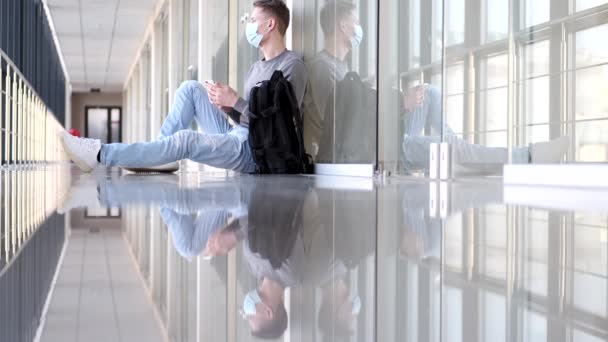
point(82, 151)
point(549, 152)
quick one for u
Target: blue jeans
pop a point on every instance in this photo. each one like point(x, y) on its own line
point(220, 145)
point(190, 234)
point(467, 157)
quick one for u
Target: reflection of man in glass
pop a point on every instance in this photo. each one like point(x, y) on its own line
point(333, 115)
point(424, 112)
point(342, 32)
point(422, 106)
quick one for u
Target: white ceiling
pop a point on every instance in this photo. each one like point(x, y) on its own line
point(99, 39)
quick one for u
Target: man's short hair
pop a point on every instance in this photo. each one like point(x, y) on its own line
point(333, 12)
point(278, 9)
point(275, 328)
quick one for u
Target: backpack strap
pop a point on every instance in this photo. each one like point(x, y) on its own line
point(253, 102)
point(352, 76)
point(285, 92)
point(276, 77)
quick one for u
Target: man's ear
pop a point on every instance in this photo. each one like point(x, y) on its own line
point(343, 27)
point(272, 24)
point(266, 311)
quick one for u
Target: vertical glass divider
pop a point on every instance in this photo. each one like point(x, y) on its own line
point(511, 83)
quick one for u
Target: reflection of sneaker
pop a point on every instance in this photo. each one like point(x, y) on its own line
point(167, 168)
point(83, 193)
point(82, 151)
point(549, 152)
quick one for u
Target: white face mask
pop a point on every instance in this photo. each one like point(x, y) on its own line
point(252, 298)
point(251, 32)
point(357, 38)
point(355, 301)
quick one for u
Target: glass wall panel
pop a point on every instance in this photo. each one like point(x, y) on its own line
point(535, 11)
point(454, 242)
point(493, 309)
point(97, 124)
point(246, 54)
point(493, 243)
point(502, 82)
point(147, 91)
point(523, 84)
point(191, 53)
point(215, 41)
point(586, 4)
point(590, 263)
point(534, 326)
point(340, 45)
point(452, 314)
point(454, 100)
point(164, 68)
point(590, 102)
point(495, 22)
point(454, 22)
point(115, 126)
point(535, 92)
point(411, 90)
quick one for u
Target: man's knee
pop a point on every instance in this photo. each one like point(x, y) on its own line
point(183, 141)
point(415, 153)
point(433, 92)
point(191, 86)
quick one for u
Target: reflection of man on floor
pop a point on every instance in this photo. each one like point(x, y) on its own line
point(336, 245)
point(421, 232)
point(209, 220)
point(295, 246)
point(274, 253)
point(422, 106)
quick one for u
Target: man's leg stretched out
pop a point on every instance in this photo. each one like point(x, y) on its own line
point(467, 157)
point(219, 145)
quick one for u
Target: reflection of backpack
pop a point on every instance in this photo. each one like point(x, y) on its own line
point(349, 124)
point(275, 130)
point(275, 219)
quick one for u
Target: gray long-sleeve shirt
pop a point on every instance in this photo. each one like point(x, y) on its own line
point(325, 71)
point(293, 69)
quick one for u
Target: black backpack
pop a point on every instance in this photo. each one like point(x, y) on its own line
point(275, 128)
point(352, 110)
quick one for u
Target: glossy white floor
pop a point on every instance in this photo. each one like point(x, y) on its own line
point(98, 295)
point(336, 259)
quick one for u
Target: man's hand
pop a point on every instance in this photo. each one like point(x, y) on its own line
point(222, 96)
point(413, 98)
